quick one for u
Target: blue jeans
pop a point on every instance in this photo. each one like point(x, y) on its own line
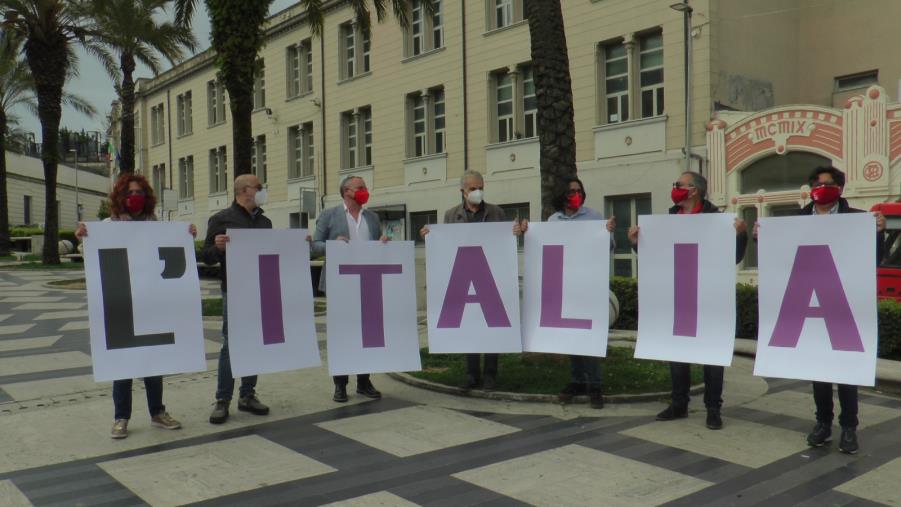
point(122, 396)
point(586, 370)
point(226, 384)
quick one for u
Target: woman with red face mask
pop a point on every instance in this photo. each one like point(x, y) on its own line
point(132, 200)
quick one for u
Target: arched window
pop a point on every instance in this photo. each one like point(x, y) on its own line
point(780, 172)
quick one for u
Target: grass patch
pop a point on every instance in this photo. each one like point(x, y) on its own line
point(29, 257)
point(75, 283)
point(38, 266)
point(212, 307)
point(549, 373)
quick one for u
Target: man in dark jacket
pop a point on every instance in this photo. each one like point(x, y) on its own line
point(244, 213)
point(474, 209)
point(826, 185)
point(690, 196)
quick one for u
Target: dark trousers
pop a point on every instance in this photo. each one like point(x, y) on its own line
point(713, 384)
point(847, 399)
point(225, 386)
point(122, 396)
point(586, 370)
point(474, 367)
point(341, 380)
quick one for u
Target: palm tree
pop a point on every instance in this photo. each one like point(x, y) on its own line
point(237, 35)
point(50, 29)
point(553, 91)
point(17, 88)
point(129, 33)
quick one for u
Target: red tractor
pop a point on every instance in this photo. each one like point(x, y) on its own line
point(888, 274)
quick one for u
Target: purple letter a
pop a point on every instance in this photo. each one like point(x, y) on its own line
point(814, 272)
point(471, 268)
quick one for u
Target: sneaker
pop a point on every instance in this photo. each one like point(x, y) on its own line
point(368, 390)
point(848, 443)
point(714, 421)
point(340, 394)
point(671, 412)
point(596, 398)
point(220, 412)
point(120, 429)
point(569, 392)
point(488, 384)
point(165, 421)
point(251, 404)
point(821, 434)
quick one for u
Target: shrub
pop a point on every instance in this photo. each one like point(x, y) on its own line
point(626, 290)
point(889, 329)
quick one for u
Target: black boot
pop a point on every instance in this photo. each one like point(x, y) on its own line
point(848, 443)
point(714, 421)
point(340, 393)
point(672, 412)
point(821, 434)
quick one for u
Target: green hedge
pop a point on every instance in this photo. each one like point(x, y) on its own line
point(889, 314)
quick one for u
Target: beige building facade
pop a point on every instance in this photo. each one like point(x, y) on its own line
point(410, 111)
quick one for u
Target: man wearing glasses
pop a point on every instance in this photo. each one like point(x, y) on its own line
point(244, 213)
point(689, 195)
point(826, 186)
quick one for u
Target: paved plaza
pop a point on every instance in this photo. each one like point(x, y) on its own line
point(413, 447)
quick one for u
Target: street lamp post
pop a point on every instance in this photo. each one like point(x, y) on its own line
point(77, 201)
point(686, 11)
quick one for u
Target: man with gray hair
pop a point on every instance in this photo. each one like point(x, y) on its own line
point(350, 222)
point(474, 209)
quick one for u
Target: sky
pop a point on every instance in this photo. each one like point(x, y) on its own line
point(95, 85)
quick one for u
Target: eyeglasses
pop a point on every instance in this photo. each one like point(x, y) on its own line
point(573, 191)
point(823, 184)
point(676, 184)
point(135, 192)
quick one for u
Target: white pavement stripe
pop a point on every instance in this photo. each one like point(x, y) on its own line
point(43, 362)
point(380, 499)
point(32, 299)
point(15, 329)
point(78, 325)
point(57, 387)
point(50, 306)
point(5, 316)
point(10, 496)
point(28, 343)
point(74, 314)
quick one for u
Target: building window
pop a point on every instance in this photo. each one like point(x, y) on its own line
point(426, 127)
point(779, 172)
point(426, 32)
point(515, 107)
point(184, 113)
point(503, 13)
point(418, 220)
point(301, 157)
point(215, 93)
point(616, 82)
point(515, 212)
point(859, 80)
point(158, 178)
point(626, 209)
point(186, 177)
point(651, 74)
point(26, 209)
point(300, 68)
point(157, 125)
point(355, 51)
point(356, 128)
point(258, 158)
point(259, 85)
point(218, 170)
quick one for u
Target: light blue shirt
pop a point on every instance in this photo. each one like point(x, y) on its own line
point(583, 213)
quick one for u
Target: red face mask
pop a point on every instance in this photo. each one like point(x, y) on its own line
point(574, 201)
point(825, 195)
point(135, 203)
point(361, 196)
point(679, 194)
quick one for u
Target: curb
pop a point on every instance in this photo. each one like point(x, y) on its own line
point(526, 397)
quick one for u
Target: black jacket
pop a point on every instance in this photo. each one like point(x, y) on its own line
point(233, 217)
point(741, 240)
point(844, 207)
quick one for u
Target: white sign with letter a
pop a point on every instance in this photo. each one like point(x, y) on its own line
point(143, 300)
point(271, 326)
point(686, 288)
point(567, 272)
point(817, 298)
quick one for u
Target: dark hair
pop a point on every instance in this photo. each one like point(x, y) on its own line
point(120, 192)
point(559, 201)
point(837, 176)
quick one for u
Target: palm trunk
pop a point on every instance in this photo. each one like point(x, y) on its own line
point(553, 89)
point(127, 98)
point(49, 62)
point(4, 198)
point(241, 105)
